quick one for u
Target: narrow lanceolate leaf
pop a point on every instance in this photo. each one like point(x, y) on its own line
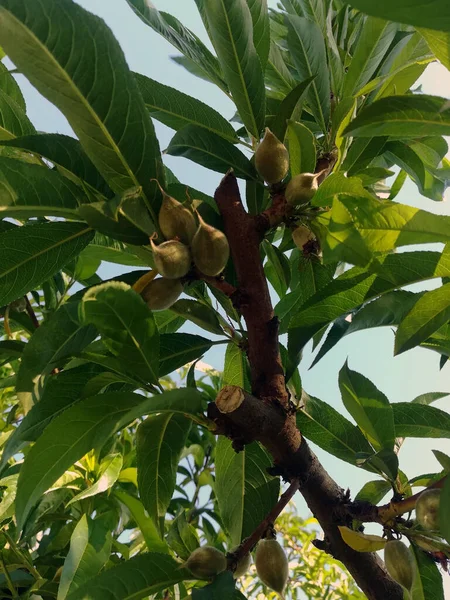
point(13, 120)
point(330, 430)
point(127, 326)
point(307, 48)
point(369, 407)
point(439, 44)
point(420, 421)
point(177, 349)
point(302, 149)
point(261, 29)
point(182, 536)
point(244, 490)
point(140, 577)
point(356, 286)
point(90, 547)
point(32, 191)
point(176, 110)
point(428, 581)
point(429, 13)
point(10, 86)
point(360, 228)
point(290, 108)
point(373, 43)
point(81, 427)
point(160, 440)
point(236, 367)
point(403, 116)
point(206, 64)
point(211, 151)
point(202, 315)
point(33, 253)
point(83, 71)
point(67, 154)
point(231, 30)
point(430, 312)
point(108, 474)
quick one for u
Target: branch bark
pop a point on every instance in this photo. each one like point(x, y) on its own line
point(266, 415)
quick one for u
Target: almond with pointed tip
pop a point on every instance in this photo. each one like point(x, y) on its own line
point(272, 565)
point(301, 236)
point(175, 220)
point(399, 563)
point(271, 158)
point(427, 509)
point(301, 188)
point(210, 249)
point(172, 259)
point(206, 562)
point(161, 293)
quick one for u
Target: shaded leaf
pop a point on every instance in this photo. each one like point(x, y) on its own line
point(290, 108)
point(369, 407)
point(13, 120)
point(109, 470)
point(177, 349)
point(182, 537)
point(373, 491)
point(201, 314)
point(261, 29)
point(33, 253)
point(428, 580)
point(222, 588)
point(330, 430)
point(160, 441)
point(420, 421)
point(231, 32)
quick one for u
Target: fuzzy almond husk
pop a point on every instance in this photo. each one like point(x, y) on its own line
point(272, 565)
point(175, 220)
point(301, 188)
point(427, 509)
point(271, 158)
point(161, 293)
point(206, 562)
point(399, 563)
point(172, 259)
point(210, 249)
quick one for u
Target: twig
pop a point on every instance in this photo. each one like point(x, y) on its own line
point(249, 543)
point(31, 313)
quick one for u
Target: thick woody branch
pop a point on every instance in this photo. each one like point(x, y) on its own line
point(254, 299)
point(249, 420)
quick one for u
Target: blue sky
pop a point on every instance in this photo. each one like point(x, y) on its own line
point(371, 353)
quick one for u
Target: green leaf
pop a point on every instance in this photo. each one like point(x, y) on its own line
point(307, 48)
point(182, 537)
point(359, 228)
point(211, 151)
point(81, 427)
point(357, 286)
point(369, 407)
point(139, 577)
point(149, 531)
point(403, 116)
point(33, 253)
point(290, 108)
point(31, 191)
point(222, 588)
point(429, 397)
point(13, 120)
point(277, 268)
point(439, 44)
point(94, 89)
point(420, 421)
point(261, 29)
point(176, 110)
point(127, 326)
point(432, 13)
point(330, 430)
point(277, 71)
point(160, 441)
point(430, 312)
point(109, 471)
point(444, 510)
point(337, 185)
point(428, 579)
point(373, 491)
point(90, 547)
point(58, 338)
point(67, 154)
point(103, 248)
point(236, 367)
point(186, 42)
point(231, 32)
point(201, 314)
point(10, 86)
point(61, 391)
point(373, 43)
point(244, 491)
point(443, 459)
point(177, 349)
point(302, 149)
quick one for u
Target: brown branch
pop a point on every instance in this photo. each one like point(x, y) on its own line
point(31, 313)
point(254, 299)
point(222, 285)
point(249, 543)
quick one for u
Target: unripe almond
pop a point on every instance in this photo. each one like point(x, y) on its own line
point(210, 249)
point(272, 565)
point(243, 565)
point(301, 236)
point(175, 220)
point(399, 563)
point(271, 158)
point(206, 562)
point(172, 259)
point(162, 293)
point(302, 188)
point(427, 509)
